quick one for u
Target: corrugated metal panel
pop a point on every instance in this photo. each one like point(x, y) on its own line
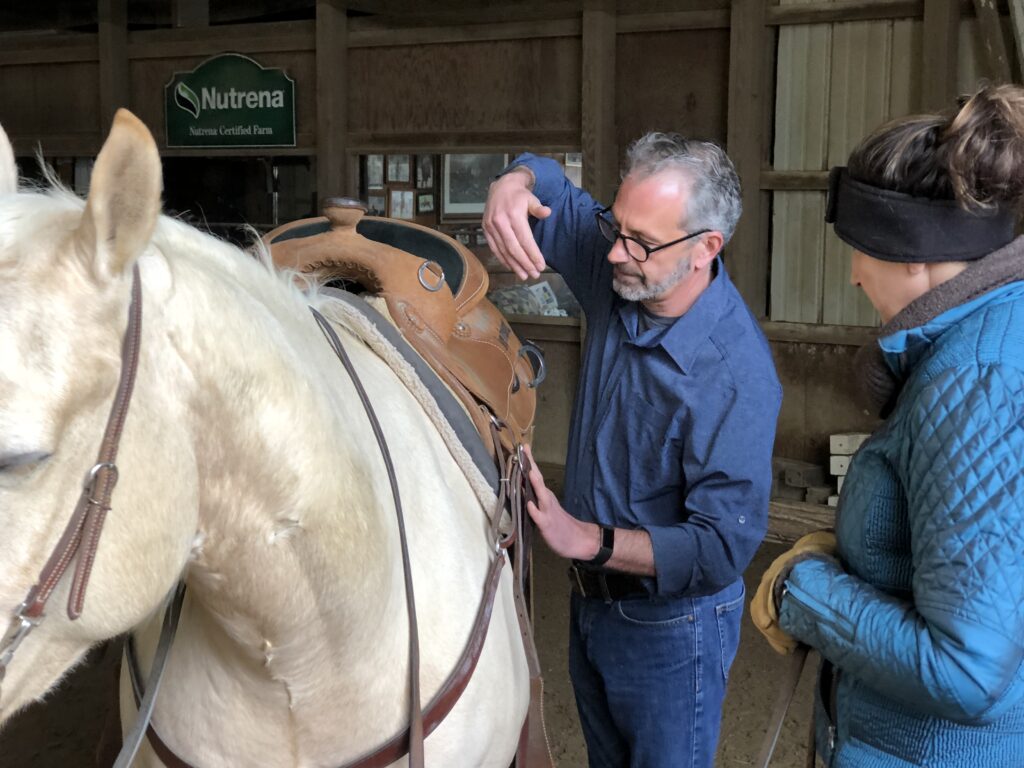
point(797, 248)
point(861, 65)
point(801, 143)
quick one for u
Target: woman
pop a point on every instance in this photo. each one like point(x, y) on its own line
point(917, 605)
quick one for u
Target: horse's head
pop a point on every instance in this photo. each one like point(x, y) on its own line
point(65, 284)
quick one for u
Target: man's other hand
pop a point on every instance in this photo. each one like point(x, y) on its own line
point(506, 222)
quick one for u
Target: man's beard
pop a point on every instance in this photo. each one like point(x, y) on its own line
point(644, 292)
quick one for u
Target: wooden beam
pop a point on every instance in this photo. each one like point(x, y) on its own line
point(1017, 22)
point(367, 142)
point(672, 20)
point(522, 30)
point(991, 28)
point(331, 98)
point(190, 13)
point(207, 41)
point(844, 10)
point(940, 36)
point(597, 106)
point(789, 520)
point(113, 58)
point(812, 333)
point(794, 181)
point(50, 53)
point(749, 102)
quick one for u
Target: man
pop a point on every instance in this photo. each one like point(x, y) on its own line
point(669, 465)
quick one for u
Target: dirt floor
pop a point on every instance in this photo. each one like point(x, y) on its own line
point(64, 731)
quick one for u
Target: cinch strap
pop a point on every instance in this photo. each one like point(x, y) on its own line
point(893, 226)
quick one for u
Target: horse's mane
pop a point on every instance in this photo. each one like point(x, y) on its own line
point(182, 242)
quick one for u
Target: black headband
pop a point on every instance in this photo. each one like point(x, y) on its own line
point(893, 226)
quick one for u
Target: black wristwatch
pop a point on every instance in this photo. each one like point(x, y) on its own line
point(607, 545)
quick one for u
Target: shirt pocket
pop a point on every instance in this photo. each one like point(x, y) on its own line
point(654, 455)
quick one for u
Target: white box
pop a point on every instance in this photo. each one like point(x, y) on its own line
point(846, 443)
point(838, 465)
point(833, 501)
point(839, 484)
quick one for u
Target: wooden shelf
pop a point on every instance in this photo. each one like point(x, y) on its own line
point(789, 520)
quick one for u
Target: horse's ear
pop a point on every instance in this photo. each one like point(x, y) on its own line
point(8, 168)
point(124, 198)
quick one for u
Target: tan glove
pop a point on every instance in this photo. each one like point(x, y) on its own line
point(764, 608)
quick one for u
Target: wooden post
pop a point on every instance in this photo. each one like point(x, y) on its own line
point(113, 59)
point(749, 102)
point(331, 97)
point(1017, 22)
point(992, 40)
point(597, 108)
point(190, 13)
point(941, 35)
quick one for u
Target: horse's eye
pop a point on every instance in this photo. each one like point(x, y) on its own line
point(15, 461)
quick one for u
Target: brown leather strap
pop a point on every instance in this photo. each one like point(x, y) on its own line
point(82, 533)
point(416, 735)
point(83, 530)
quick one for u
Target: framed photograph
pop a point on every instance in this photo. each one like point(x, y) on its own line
point(398, 169)
point(481, 238)
point(425, 202)
point(378, 205)
point(574, 168)
point(374, 171)
point(465, 183)
point(425, 172)
point(401, 204)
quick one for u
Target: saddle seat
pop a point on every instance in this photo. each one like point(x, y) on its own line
point(435, 292)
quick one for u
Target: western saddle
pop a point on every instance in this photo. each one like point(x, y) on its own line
point(435, 292)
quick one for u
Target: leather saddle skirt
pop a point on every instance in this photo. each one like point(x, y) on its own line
point(435, 292)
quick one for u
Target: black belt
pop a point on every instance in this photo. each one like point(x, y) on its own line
point(606, 585)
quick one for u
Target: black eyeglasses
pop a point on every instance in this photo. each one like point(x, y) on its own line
point(634, 247)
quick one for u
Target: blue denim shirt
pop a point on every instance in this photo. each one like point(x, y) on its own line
point(673, 428)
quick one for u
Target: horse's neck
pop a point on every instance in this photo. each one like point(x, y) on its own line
point(296, 548)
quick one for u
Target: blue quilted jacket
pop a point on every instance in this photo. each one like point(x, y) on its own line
point(922, 628)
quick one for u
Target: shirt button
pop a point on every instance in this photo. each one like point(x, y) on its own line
point(742, 519)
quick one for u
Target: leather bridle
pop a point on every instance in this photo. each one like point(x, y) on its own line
point(82, 534)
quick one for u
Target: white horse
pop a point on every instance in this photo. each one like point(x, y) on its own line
point(248, 469)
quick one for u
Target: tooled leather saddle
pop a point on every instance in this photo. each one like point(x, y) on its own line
point(435, 292)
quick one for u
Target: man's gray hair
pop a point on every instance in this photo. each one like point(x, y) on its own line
point(714, 186)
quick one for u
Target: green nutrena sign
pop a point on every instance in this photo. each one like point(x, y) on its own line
point(230, 101)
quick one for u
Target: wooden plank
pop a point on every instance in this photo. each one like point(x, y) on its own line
point(113, 57)
point(672, 20)
point(597, 100)
point(190, 13)
point(424, 14)
point(815, 333)
point(844, 10)
point(991, 29)
point(332, 74)
point(859, 103)
point(365, 142)
point(521, 30)
point(749, 101)
point(207, 41)
point(941, 41)
point(794, 181)
point(1017, 24)
point(49, 54)
point(789, 520)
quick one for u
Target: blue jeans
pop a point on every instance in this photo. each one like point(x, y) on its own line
point(649, 676)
